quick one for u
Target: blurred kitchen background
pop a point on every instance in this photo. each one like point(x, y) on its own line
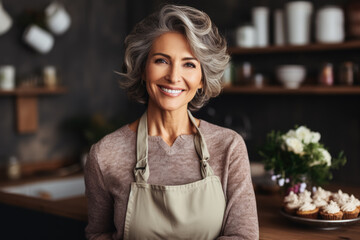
point(59, 92)
point(86, 102)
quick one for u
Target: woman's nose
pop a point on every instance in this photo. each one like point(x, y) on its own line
point(174, 74)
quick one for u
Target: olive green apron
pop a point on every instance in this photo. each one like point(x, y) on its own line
point(189, 211)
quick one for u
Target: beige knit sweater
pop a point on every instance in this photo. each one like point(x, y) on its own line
point(109, 172)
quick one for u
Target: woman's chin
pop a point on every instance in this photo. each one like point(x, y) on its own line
point(170, 106)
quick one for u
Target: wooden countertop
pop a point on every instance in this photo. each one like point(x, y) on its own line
point(74, 208)
point(272, 224)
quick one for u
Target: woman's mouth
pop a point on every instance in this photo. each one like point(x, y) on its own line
point(171, 92)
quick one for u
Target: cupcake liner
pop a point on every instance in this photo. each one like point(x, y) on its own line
point(331, 216)
point(351, 215)
point(308, 214)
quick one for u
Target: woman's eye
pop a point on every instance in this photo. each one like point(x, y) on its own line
point(191, 65)
point(160, 60)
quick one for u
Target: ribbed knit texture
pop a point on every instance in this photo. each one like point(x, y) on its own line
point(109, 173)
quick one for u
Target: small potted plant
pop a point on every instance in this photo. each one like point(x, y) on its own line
point(298, 160)
point(90, 129)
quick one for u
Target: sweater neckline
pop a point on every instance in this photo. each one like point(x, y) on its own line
point(178, 143)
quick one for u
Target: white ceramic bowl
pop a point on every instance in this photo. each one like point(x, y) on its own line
point(291, 76)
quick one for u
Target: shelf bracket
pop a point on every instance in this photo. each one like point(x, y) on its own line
point(26, 114)
point(26, 105)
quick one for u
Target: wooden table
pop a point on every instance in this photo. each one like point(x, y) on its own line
point(274, 226)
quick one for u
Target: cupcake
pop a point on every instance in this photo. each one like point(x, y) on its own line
point(292, 207)
point(339, 196)
point(308, 210)
point(355, 201)
point(291, 197)
point(322, 193)
point(319, 202)
point(350, 210)
point(342, 199)
point(331, 211)
point(305, 196)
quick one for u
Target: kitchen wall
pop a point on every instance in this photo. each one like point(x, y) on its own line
point(85, 57)
point(91, 50)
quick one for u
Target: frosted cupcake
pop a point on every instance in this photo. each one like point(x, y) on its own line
point(355, 201)
point(292, 207)
point(342, 199)
point(350, 210)
point(291, 197)
point(322, 193)
point(319, 202)
point(339, 196)
point(308, 210)
point(331, 211)
point(305, 196)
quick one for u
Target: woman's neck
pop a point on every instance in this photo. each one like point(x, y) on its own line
point(168, 124)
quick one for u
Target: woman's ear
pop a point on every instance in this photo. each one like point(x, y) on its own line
point(201, 85)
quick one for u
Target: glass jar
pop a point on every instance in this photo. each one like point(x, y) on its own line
point(13, 168)
point(348, 73)
point(326, 77)
point(244, 73)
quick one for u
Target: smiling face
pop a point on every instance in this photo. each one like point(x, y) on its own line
point(172, 73)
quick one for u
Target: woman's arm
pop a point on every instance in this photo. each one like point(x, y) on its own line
point(240, 221)
point(100, 203)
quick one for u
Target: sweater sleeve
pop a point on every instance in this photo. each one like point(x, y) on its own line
point(100, 202)
point(240, 221)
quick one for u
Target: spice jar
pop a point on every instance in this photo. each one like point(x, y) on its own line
point(13, 168)
point(49, 75)
point(244, 73)
point(348, 73)
point(326, 77)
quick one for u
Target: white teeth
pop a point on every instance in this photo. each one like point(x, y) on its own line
point(170, 90)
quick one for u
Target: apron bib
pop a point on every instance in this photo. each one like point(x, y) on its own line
point(189, 211)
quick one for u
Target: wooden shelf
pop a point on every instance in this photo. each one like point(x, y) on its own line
point(33, 91)
point(288, 48)
point(277, 90)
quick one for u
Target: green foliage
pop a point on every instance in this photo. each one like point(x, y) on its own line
point(91, 129)
point(296, 167)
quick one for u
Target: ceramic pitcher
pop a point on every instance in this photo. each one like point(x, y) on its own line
point(5, 20)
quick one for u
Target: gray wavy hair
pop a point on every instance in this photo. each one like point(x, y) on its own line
point(208, 46)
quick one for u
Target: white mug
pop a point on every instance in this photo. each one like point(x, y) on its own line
point(260, 18)
point(5, 20)
point(38, 39)
point(7, 77)
point(246, 36)
point(57, 18)
point(298, 15)
point(329, 25)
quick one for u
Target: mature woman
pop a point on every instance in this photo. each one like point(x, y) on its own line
point(169, 175)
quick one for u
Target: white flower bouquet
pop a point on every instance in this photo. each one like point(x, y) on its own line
point(298, 159)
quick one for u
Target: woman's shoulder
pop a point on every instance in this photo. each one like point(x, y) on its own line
point(121, 138)
point(218, 134)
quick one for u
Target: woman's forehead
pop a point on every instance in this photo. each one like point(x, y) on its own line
point(172, 43)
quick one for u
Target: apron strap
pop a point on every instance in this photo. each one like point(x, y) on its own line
point(142, 171)
point(202, 150)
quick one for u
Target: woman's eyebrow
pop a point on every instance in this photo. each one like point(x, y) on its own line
point(162, 54)
point(167, 56)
